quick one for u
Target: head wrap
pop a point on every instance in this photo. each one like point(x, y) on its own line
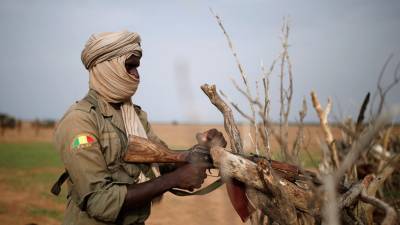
point(104, 56)
point(109, 45)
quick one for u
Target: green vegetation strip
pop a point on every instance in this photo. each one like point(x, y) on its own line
point(39, 212)
point(28, 155)
point(31, 167)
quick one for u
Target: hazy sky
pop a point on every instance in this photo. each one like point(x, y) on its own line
point(337, 49)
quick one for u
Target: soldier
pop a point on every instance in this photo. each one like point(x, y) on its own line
point(92, 137)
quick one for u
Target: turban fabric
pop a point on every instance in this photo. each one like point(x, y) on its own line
point(109, 45)
point(104, 56)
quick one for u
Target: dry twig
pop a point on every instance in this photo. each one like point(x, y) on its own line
point(390, 213)
point(247, 93)
point(229, 121)
point(323, 118)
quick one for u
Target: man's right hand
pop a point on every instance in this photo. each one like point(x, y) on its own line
point(189, 176)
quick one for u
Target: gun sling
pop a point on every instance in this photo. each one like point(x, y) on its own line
point(56, 188)
point(211, 187)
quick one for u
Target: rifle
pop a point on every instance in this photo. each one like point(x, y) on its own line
point(141, 150)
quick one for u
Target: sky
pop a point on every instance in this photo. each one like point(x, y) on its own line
point(337, 49)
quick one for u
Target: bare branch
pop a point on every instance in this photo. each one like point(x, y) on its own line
point(244, 78)
point(349, 198)
point(297, 145)
point(229, 122)
point(331, 214)
point(248, 172)
point(285, 94)
point(236, 107)
point(245, 94)
point(323, 118)
point(382, 91)
point(230, 44)
point(390, 213)
point(363, 143)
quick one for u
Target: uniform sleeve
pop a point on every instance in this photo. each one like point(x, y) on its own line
point(92, 187)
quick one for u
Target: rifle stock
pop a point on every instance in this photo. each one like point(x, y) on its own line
point(142, 150)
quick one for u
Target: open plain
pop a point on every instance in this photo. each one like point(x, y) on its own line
point(29, 165)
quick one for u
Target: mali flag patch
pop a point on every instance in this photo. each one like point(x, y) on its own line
point(82, 141)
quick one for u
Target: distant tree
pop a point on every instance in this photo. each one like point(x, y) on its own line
point(7, 121)
point(37, 125)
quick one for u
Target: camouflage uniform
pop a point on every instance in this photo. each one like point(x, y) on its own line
point(98, 177)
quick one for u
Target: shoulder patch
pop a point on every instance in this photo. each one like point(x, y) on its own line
point(83, 141)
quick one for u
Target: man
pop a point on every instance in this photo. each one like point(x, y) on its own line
point(92, 137)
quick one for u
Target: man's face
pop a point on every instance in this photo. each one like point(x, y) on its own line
point(131, 65)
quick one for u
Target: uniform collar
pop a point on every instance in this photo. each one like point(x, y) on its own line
point(104, 107)
point(108, 111)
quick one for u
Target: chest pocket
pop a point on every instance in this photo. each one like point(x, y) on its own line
point(114, 144)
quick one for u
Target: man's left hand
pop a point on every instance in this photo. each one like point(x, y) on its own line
point(211, 138)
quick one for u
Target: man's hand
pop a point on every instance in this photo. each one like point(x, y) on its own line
point(189, 176)
point(211, 138)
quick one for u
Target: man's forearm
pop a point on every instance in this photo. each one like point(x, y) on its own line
point(141, 194)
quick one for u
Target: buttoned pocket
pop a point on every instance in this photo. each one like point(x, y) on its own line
point(112, 149)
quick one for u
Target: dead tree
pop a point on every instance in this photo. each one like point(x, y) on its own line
point(329, 196)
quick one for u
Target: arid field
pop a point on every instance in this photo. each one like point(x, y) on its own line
point(29, 165)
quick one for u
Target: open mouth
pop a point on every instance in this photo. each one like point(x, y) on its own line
point(136, 76)
point(133, 73)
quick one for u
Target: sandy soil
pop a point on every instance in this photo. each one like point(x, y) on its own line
point(214, 208)
point(16, 204)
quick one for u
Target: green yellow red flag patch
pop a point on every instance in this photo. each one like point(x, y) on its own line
point(83, 140)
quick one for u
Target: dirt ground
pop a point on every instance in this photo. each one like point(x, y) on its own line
point(20, 206)
point(213, 208)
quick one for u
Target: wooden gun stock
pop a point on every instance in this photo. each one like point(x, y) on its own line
point(142, 150)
